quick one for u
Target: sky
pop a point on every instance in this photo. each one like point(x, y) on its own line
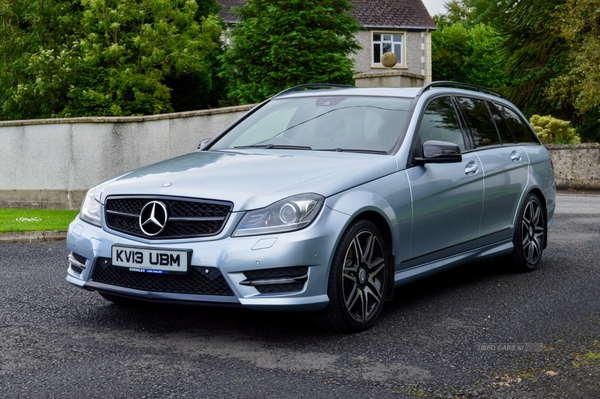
point(435, 6)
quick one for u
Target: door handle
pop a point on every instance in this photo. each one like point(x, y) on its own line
point(515, 156)
point(471, 168)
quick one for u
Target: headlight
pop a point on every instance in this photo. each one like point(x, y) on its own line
point(289, 214)
point(91, 210)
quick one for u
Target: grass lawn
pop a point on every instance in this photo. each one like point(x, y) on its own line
point(13, 220)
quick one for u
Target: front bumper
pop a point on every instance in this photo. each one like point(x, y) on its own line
point(271, 272)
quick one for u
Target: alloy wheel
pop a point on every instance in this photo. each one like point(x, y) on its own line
point(363, 277)
point(532, 231)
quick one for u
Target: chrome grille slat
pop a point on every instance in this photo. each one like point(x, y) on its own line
point(188, 217)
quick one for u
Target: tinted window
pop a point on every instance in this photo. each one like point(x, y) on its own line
point(519, 128)
point(441, 123)
point(479, 121)
point(503, 129)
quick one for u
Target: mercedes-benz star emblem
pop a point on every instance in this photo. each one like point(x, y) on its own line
point(153, 218)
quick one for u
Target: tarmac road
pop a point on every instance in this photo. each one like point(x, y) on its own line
point(479, 331)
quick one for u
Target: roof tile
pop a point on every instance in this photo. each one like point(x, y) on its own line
point(403, 14)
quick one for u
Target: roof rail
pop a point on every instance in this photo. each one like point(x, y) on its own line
point(312, 86)
point(447, 83)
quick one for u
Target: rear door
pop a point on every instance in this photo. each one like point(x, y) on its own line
point(505, 166)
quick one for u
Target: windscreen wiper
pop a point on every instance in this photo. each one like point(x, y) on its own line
point(358, 150)
point(277, 146)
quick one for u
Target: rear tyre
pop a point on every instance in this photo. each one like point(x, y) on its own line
point(530, 235)
point(357, 280)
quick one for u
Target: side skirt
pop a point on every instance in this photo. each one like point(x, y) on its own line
point(426, 269)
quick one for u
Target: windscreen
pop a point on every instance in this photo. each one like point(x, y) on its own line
point(322, 123)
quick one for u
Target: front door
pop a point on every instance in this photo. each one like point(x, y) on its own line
point(447, 198)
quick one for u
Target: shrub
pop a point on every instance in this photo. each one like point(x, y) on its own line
point(552, 130)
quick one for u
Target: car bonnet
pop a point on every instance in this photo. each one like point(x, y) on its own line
point(251, 179)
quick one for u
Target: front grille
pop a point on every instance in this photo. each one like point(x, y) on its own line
point(187, 217)
point(199, 280)
point(299, 273)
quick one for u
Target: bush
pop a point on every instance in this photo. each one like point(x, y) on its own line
point(552, 130)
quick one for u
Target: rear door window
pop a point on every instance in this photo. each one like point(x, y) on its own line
point(479, 122)
point(503, 129)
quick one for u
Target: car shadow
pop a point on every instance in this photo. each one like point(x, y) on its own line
point(159, 318)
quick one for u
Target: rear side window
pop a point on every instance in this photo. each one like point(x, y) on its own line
point(441, 123)
point(479, 121)
point(503, 129)
point(520, 130)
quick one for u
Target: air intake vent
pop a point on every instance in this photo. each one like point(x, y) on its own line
point(199, 280)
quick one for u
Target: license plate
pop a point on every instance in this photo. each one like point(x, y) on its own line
point(151, 260)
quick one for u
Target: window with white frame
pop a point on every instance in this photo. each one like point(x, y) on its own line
point(384, 42)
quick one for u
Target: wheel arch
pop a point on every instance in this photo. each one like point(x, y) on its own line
point(375, 207)
point(381, 223)
point(384, 227)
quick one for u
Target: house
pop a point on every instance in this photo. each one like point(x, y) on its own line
point(401, 26)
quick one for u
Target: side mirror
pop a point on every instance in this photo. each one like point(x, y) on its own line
point(203, 143)
point(439, 152)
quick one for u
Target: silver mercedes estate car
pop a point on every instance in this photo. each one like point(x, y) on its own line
point(323, 199)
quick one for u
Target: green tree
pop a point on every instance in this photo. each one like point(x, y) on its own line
point(457, 11)
point(533, 54)
point(33, 49)
point(100, 57)
point(468, 54)
point(551, 52)
point(487, 12)
point(203, 88)
point(281, 43)
point(128, 48)
point(580, 28)
point(541, 54)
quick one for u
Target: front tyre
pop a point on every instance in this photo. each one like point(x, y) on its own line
point(357, 280)
point(530, 235)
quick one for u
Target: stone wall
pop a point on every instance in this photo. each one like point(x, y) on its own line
point(576, 166)
point(51, 163)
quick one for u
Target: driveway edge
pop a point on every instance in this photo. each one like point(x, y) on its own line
point(33, 236)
